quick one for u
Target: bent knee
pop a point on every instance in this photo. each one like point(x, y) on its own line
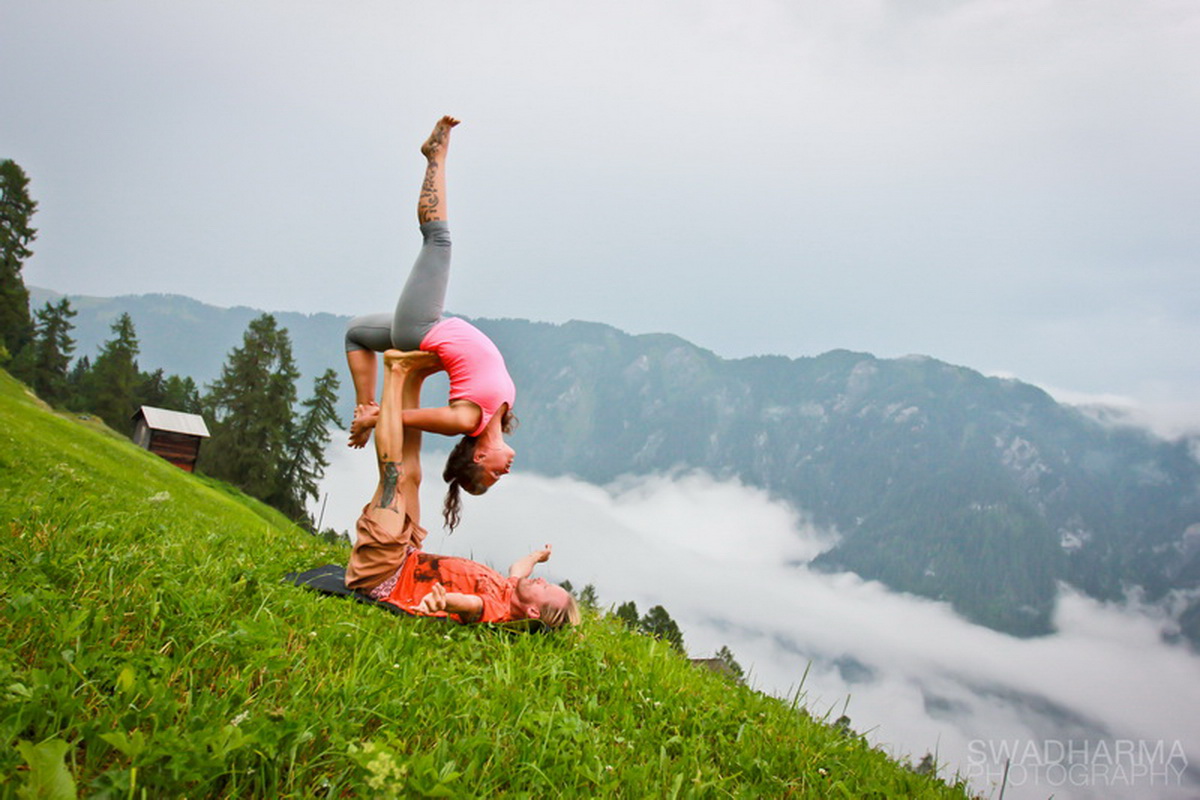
point(369, 332)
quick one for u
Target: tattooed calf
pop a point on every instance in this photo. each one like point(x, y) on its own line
point(391, 476)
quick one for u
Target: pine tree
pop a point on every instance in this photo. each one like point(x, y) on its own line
point(658, 623)
point(115, 377)
point(725, 655)
point(152, 389)
point(168, 391)
point(80, 385)
point(52, 347)
point(16, 209)
point(181, 394)
point(588, 598)
point(628, 613)
point(250, 409)
point(302, 474)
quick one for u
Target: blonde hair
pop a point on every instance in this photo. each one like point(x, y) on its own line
point(555, 616)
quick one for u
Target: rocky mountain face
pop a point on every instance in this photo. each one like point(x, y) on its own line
point(941, 482)
point(983, 492)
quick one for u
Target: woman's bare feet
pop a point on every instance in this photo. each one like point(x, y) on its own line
point(365, 417)
point(418, 363)
point(435, 146)
point(414, 361)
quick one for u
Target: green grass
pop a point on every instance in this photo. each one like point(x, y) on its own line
point(149, 649)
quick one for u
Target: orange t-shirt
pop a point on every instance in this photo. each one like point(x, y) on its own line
point(422, 570)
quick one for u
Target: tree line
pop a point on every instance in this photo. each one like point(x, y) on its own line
point(262, 440)
point(656, 622)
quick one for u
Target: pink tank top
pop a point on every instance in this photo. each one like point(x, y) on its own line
point(473, 362)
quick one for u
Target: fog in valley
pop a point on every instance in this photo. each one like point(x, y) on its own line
point(1103, 708)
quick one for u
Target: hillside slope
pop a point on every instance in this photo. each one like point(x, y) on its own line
point(148, 648)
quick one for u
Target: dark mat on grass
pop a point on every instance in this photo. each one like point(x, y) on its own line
point(331, 580)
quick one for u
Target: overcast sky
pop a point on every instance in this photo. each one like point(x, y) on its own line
point(1010, 185)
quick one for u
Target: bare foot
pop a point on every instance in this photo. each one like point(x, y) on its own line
point(365, 417)
point(417, 362)
point(435, 146)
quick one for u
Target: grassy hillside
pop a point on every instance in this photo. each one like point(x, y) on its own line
point(149, 649)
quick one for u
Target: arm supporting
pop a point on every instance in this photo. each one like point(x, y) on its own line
point(460, 417)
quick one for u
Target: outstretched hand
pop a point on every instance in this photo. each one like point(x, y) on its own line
point(434, 602)
point(523, 567)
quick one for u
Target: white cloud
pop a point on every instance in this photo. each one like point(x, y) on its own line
point(728, 563)
point(1161, 410)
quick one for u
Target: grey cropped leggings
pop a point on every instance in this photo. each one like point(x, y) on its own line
point(420, 304)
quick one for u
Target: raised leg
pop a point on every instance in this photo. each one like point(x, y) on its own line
point(431, 206)
point(384, 529)
point(401, 381)
point(420, 305)
point(421, 300)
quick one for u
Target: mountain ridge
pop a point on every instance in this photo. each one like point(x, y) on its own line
point(940, 481)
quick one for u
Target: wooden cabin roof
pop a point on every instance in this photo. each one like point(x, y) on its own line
point(161, 419)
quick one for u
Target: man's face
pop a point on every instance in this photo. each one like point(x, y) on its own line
point(534, 594)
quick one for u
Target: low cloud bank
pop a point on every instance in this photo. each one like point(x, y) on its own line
point(1103, 708)
point(1167, 411)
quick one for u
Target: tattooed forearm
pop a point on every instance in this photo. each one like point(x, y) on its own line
point(391, 476)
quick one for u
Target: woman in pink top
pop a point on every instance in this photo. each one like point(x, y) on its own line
point(481, 391)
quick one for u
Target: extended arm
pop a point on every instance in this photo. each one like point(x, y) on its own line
point(460, 417)
point(523, 567)
point(468, 606)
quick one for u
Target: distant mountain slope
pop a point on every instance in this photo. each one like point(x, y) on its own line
point(187, 337)
point(942, 482)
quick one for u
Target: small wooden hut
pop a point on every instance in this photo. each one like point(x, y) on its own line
point(174, 435)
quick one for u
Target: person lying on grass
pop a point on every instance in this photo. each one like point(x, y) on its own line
point(387, 563)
